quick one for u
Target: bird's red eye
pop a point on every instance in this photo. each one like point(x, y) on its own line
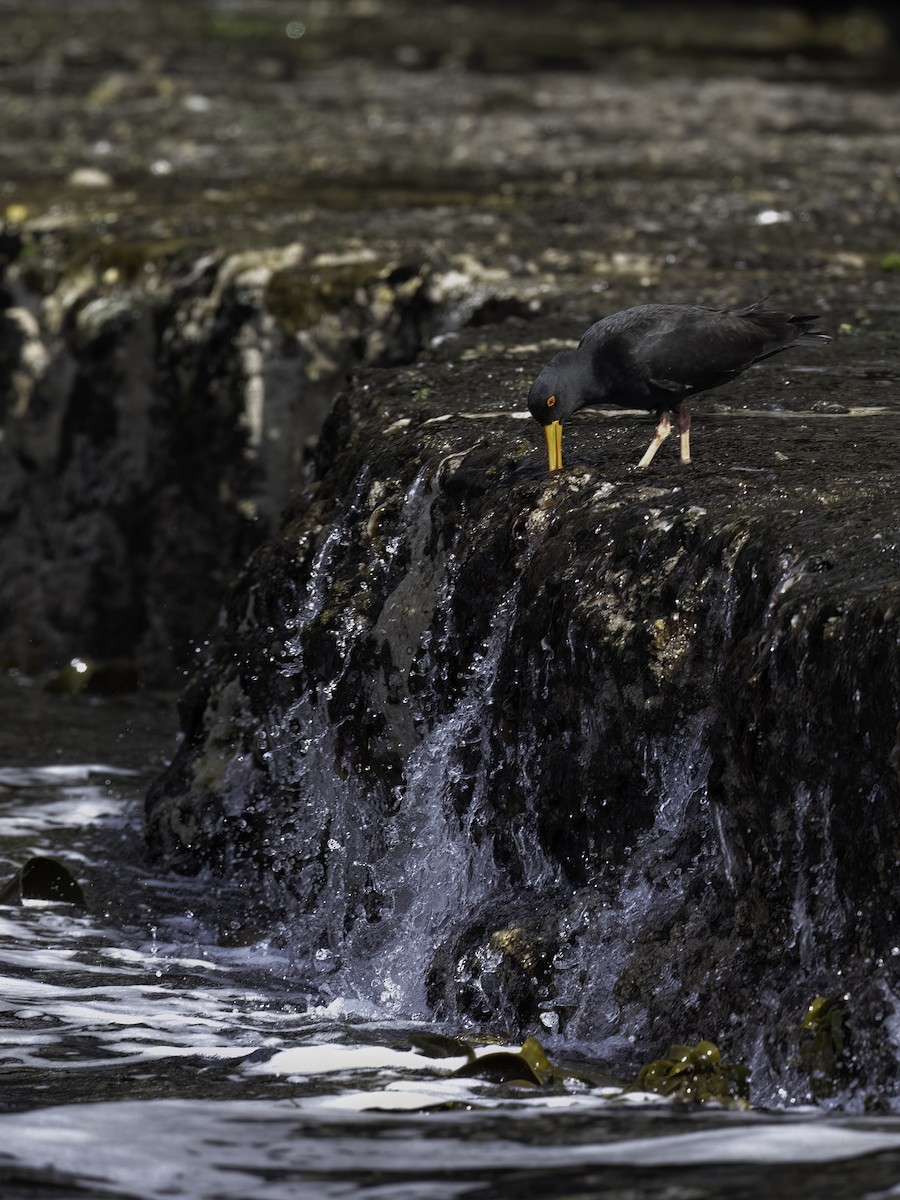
point(551, 400)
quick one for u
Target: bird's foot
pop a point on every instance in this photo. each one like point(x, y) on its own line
point(684, 434)
point(663, 429)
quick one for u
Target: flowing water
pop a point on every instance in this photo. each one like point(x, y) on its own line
point(140, 1057)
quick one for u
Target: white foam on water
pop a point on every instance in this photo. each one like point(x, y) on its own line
point(84, 804)
point(26, 777)
point(411, 1095)
point(246, 1149)
point(318, 1059)
point(60, 979)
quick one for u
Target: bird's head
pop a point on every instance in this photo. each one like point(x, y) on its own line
point(556, 394)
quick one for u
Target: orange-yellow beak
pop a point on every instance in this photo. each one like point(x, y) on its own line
point(553, 434)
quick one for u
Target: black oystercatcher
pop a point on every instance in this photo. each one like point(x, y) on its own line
point(653, 357)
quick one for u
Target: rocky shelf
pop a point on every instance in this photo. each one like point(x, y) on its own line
point(609, 754)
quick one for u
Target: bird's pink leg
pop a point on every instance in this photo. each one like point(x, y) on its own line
point(663, 429)
point(684, 433)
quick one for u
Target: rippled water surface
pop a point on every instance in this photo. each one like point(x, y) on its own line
point(141, 1058)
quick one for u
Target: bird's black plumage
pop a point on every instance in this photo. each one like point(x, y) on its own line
point(654, 357)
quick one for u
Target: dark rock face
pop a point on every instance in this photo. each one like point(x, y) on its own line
point(608, 752)
point(153, 435)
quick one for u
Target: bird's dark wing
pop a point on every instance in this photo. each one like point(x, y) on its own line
point(657, 354)
point(696, 349)
point(669, 385)
point(686, 349)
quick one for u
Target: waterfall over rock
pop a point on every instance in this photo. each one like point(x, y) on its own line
point(603, 753)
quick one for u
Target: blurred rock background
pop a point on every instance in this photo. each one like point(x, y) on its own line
point(212, 213)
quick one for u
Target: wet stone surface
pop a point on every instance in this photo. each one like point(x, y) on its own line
point(207, 224)
point(570, 753)
point(651, 716)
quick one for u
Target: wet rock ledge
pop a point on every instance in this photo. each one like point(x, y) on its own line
point(205, 225)
point(611, 753)
point(608, 755)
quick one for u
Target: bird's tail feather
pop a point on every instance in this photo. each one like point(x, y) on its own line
point(780, 322)
point(805, 321)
